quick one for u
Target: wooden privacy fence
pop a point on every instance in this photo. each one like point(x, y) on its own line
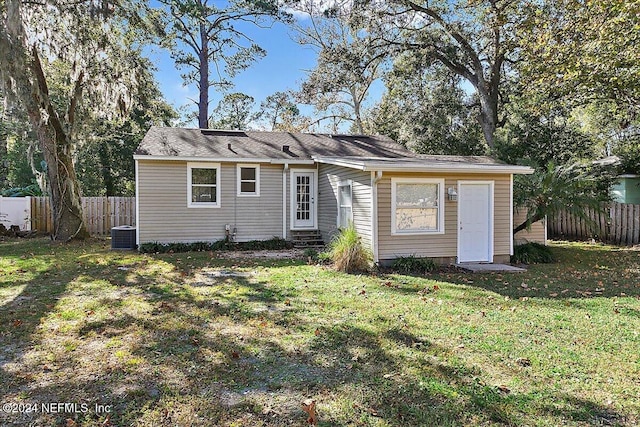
point(100, 213)
point(619, 223)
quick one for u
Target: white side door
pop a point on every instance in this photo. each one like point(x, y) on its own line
point(475, 221)
point(303, 199)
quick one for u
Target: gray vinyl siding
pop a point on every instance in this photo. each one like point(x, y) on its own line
point(165, 217)
point(442, 245)
point(330, 177)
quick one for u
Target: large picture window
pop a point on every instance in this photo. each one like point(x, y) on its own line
point(417, 206)
point(345, 204)
point(203, 185)
point(248, 180)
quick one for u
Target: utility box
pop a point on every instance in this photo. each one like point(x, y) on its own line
point(123, 237)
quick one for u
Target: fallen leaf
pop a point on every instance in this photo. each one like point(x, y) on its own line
point(504, 389)
point(17, 323)
point(235, 355)
point(287, 302)
point(309, 407)
point(436, 287)
point(523, 361)
point(70, 423)
point(362, 292)
point(317, 332)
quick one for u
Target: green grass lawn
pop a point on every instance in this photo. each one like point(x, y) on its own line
point(167, 340)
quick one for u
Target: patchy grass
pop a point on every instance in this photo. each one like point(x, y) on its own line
point(172, 339)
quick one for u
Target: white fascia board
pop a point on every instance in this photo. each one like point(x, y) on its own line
point(412, 167)
point(224, 159)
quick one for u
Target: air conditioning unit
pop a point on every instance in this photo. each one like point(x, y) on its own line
point(123, 237)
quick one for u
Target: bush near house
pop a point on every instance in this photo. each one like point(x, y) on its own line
point(221, 245)
point(348, 253)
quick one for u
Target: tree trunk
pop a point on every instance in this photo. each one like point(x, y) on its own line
point(66, 204)
point(203, 100)
point(488, 116)
point(28, 83)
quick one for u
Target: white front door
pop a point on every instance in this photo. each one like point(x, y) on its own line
point(303, 199)
point(475, 221)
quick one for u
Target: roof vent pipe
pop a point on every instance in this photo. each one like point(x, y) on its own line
point(285, 148)
point(229, 146)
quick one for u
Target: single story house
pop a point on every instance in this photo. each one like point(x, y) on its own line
point(202, 185)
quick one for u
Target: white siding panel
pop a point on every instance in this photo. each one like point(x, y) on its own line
point(165, 217)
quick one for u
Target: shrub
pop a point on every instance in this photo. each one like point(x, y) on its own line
point(347, 252)
point(532, 253)
point(221, 245)
point(413, 265)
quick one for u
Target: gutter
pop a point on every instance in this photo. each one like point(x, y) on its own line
point(137, 205)
point(375, 178)
point(284, 200)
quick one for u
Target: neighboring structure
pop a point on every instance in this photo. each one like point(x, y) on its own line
point(627, 189)
point(202, 185)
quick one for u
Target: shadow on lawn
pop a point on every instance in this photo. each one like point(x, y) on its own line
point(191, 360)
point(586, 271)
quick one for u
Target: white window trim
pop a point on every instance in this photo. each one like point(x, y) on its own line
point(292, 198)
point(344, 184)
point(441, 225)
point(201, 165)
point(239, 192)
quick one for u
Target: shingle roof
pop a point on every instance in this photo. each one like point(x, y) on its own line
point(219, 144)
point(353, 151)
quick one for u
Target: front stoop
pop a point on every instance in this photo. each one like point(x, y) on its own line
point(482, 267)
point(307, 239)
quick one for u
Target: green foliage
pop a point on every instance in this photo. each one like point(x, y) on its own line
point(582, 51)
point(275, 243)
point(281, 113)
point(234, 111)
point(574, 188)
point(538, 132)
point(532, 253)
point(424, 109)
point(105, 155)
point(30, 190)
point(347, 252)
point(413, 265)
point(310, 253)
point(629, 154)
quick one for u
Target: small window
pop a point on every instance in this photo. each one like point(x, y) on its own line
point(345, 206)
point(248, 180)
point(417, 206)
point(203, 185)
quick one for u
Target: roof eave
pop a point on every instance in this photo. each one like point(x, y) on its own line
point(223, 159)
point(463, 168)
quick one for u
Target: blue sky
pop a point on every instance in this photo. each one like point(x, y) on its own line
point(281, 69)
